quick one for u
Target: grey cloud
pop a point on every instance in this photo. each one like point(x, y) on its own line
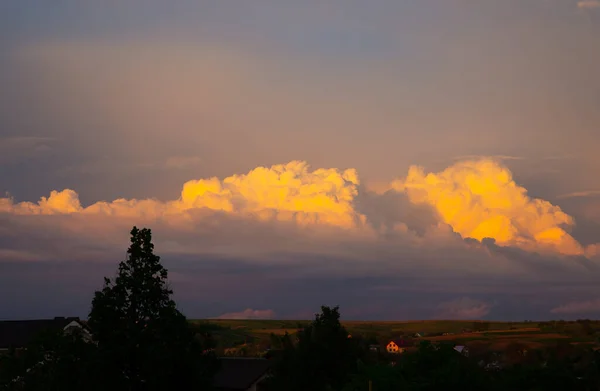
point(288, 270)
point(385, 211)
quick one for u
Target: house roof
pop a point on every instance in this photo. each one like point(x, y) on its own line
point(18, 333)
point(239, 373)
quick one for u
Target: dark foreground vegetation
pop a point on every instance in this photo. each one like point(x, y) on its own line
point(138, 340)
point(324, 358)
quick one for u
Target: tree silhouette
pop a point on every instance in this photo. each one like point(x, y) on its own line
point(52, 361)
point(144, 342)
point(324, 357)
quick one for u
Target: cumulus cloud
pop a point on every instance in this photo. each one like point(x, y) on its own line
point(464, 308)
point(249, 313)
point(578, 307)
point(59, 202)
point(480, 199)
point(287, 192)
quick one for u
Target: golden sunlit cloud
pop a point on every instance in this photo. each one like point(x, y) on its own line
point(477, 198)
point(286, 192)
point(480, 199)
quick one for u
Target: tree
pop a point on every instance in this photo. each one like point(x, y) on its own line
point(586, 327)
point(382, 378)
point(481, 326)
point(144, 342)
point(324, 357)
point(441, 368)
point(275, 341)
point(52, 361)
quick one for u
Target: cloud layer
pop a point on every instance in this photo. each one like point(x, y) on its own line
point(468, 231)
point(477, 199)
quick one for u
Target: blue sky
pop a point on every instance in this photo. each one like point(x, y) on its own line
point(130, 100)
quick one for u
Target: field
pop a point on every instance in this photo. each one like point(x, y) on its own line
point(480, 335)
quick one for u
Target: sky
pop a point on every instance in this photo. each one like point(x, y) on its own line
point(431, 159)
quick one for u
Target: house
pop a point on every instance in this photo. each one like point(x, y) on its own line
point(241, 373)
point(374, 348)
point(462, 350)
point(397, 346)
point(19, 333)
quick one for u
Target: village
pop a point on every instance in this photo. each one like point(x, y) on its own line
point(493, 345)
point(247, 357)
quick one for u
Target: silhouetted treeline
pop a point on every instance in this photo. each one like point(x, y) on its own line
point(324, 358)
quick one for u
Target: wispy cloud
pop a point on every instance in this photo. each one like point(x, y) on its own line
point(249, 313)
point(496, 157)
point(577, 194)
point(464, 308)
point(578, 307)
point(588, 4)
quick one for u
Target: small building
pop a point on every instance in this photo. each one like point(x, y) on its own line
point(241, 373)
point(397, 346)
point(374, 348)
point(19, 333)
point(462, 350)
